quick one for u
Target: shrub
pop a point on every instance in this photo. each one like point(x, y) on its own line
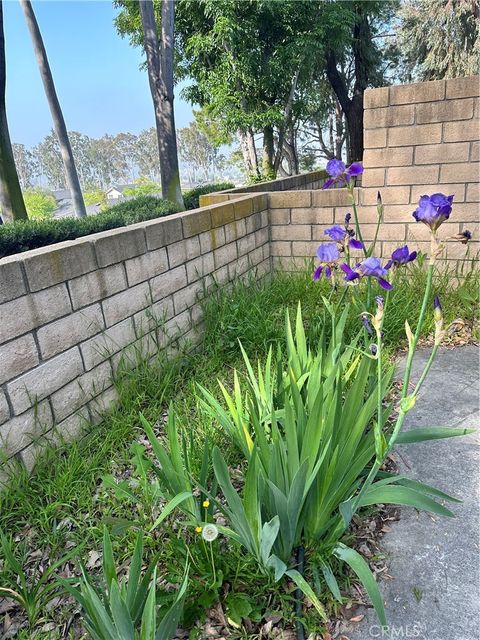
point(192, 196)
point(143, 187)
point(94, 196)
point(19, 236)
point(40, 203)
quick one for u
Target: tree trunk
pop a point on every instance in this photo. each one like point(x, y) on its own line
point(249, 152)
point(12, 206)
point(290, 153)
point(286, 120)
point(160, 76)
point(252, 153)
point(354, 117)
point(269, 172)
point(294, 152)
point(353, 107)
point(339, 133)
point(57, 116)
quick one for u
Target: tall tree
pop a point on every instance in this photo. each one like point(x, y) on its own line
point(197, 152)
point(57, 115)
point(27, 166)
point(11, 199)
point(354, 64)
point(47, 154)
point(160, 74)
point(146, 154)
point(439, 38)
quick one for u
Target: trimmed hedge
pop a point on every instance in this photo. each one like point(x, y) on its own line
point(192, 196)
point(24, 235)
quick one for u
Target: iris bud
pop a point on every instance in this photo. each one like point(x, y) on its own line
point(437, 310)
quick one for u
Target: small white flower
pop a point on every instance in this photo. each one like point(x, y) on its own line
point(210, 532)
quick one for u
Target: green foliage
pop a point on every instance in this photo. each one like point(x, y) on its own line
point(22, 236)
point(126, 608)
point(192, 196)
point(173, 469)
point(95, 196)
point(67, 487)
point(308, 427)
point(143, 187)
point(252, 312)
point(439, 39)
point(33, 590)
point(307, 421)
point(40, 203)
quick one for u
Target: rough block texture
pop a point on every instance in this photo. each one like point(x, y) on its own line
point(437, 151)
point(72, 312)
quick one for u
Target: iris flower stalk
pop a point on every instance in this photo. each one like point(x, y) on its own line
point(432, 211)
point(342, 176)
point(350, 188)
point(406, 402)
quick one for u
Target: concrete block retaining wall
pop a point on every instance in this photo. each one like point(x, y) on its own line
point(419, 139)
point(422, 138)
point(70, 312)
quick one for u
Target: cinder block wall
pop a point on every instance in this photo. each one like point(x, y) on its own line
point(71, 311)
point(422, 138)
point(419, 139)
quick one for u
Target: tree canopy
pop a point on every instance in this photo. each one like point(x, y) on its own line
point(439, 39)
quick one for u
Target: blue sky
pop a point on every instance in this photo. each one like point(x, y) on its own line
point(99, 84)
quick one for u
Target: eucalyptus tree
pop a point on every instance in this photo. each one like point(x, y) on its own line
point(146, 154)
point(196, 151)
point(71, 175)
point(11, 200)
point(47, 155)
point(159, 53)
point(439, 38)
point(26, 164)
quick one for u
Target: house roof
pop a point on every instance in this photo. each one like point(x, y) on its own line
point(121, 187)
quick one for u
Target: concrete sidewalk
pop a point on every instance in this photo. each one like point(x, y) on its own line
point(434, 561)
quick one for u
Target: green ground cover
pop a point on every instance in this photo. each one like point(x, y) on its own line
point(102, 479)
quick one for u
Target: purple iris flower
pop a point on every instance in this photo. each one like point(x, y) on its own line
point(433, 210)
point(336, 233)
point(339, 174)
point(340, 234)
point(335, 167)
point(401, 256)
point(328, 254)
point(370, 267)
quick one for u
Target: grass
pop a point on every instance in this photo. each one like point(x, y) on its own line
point(66, 503)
